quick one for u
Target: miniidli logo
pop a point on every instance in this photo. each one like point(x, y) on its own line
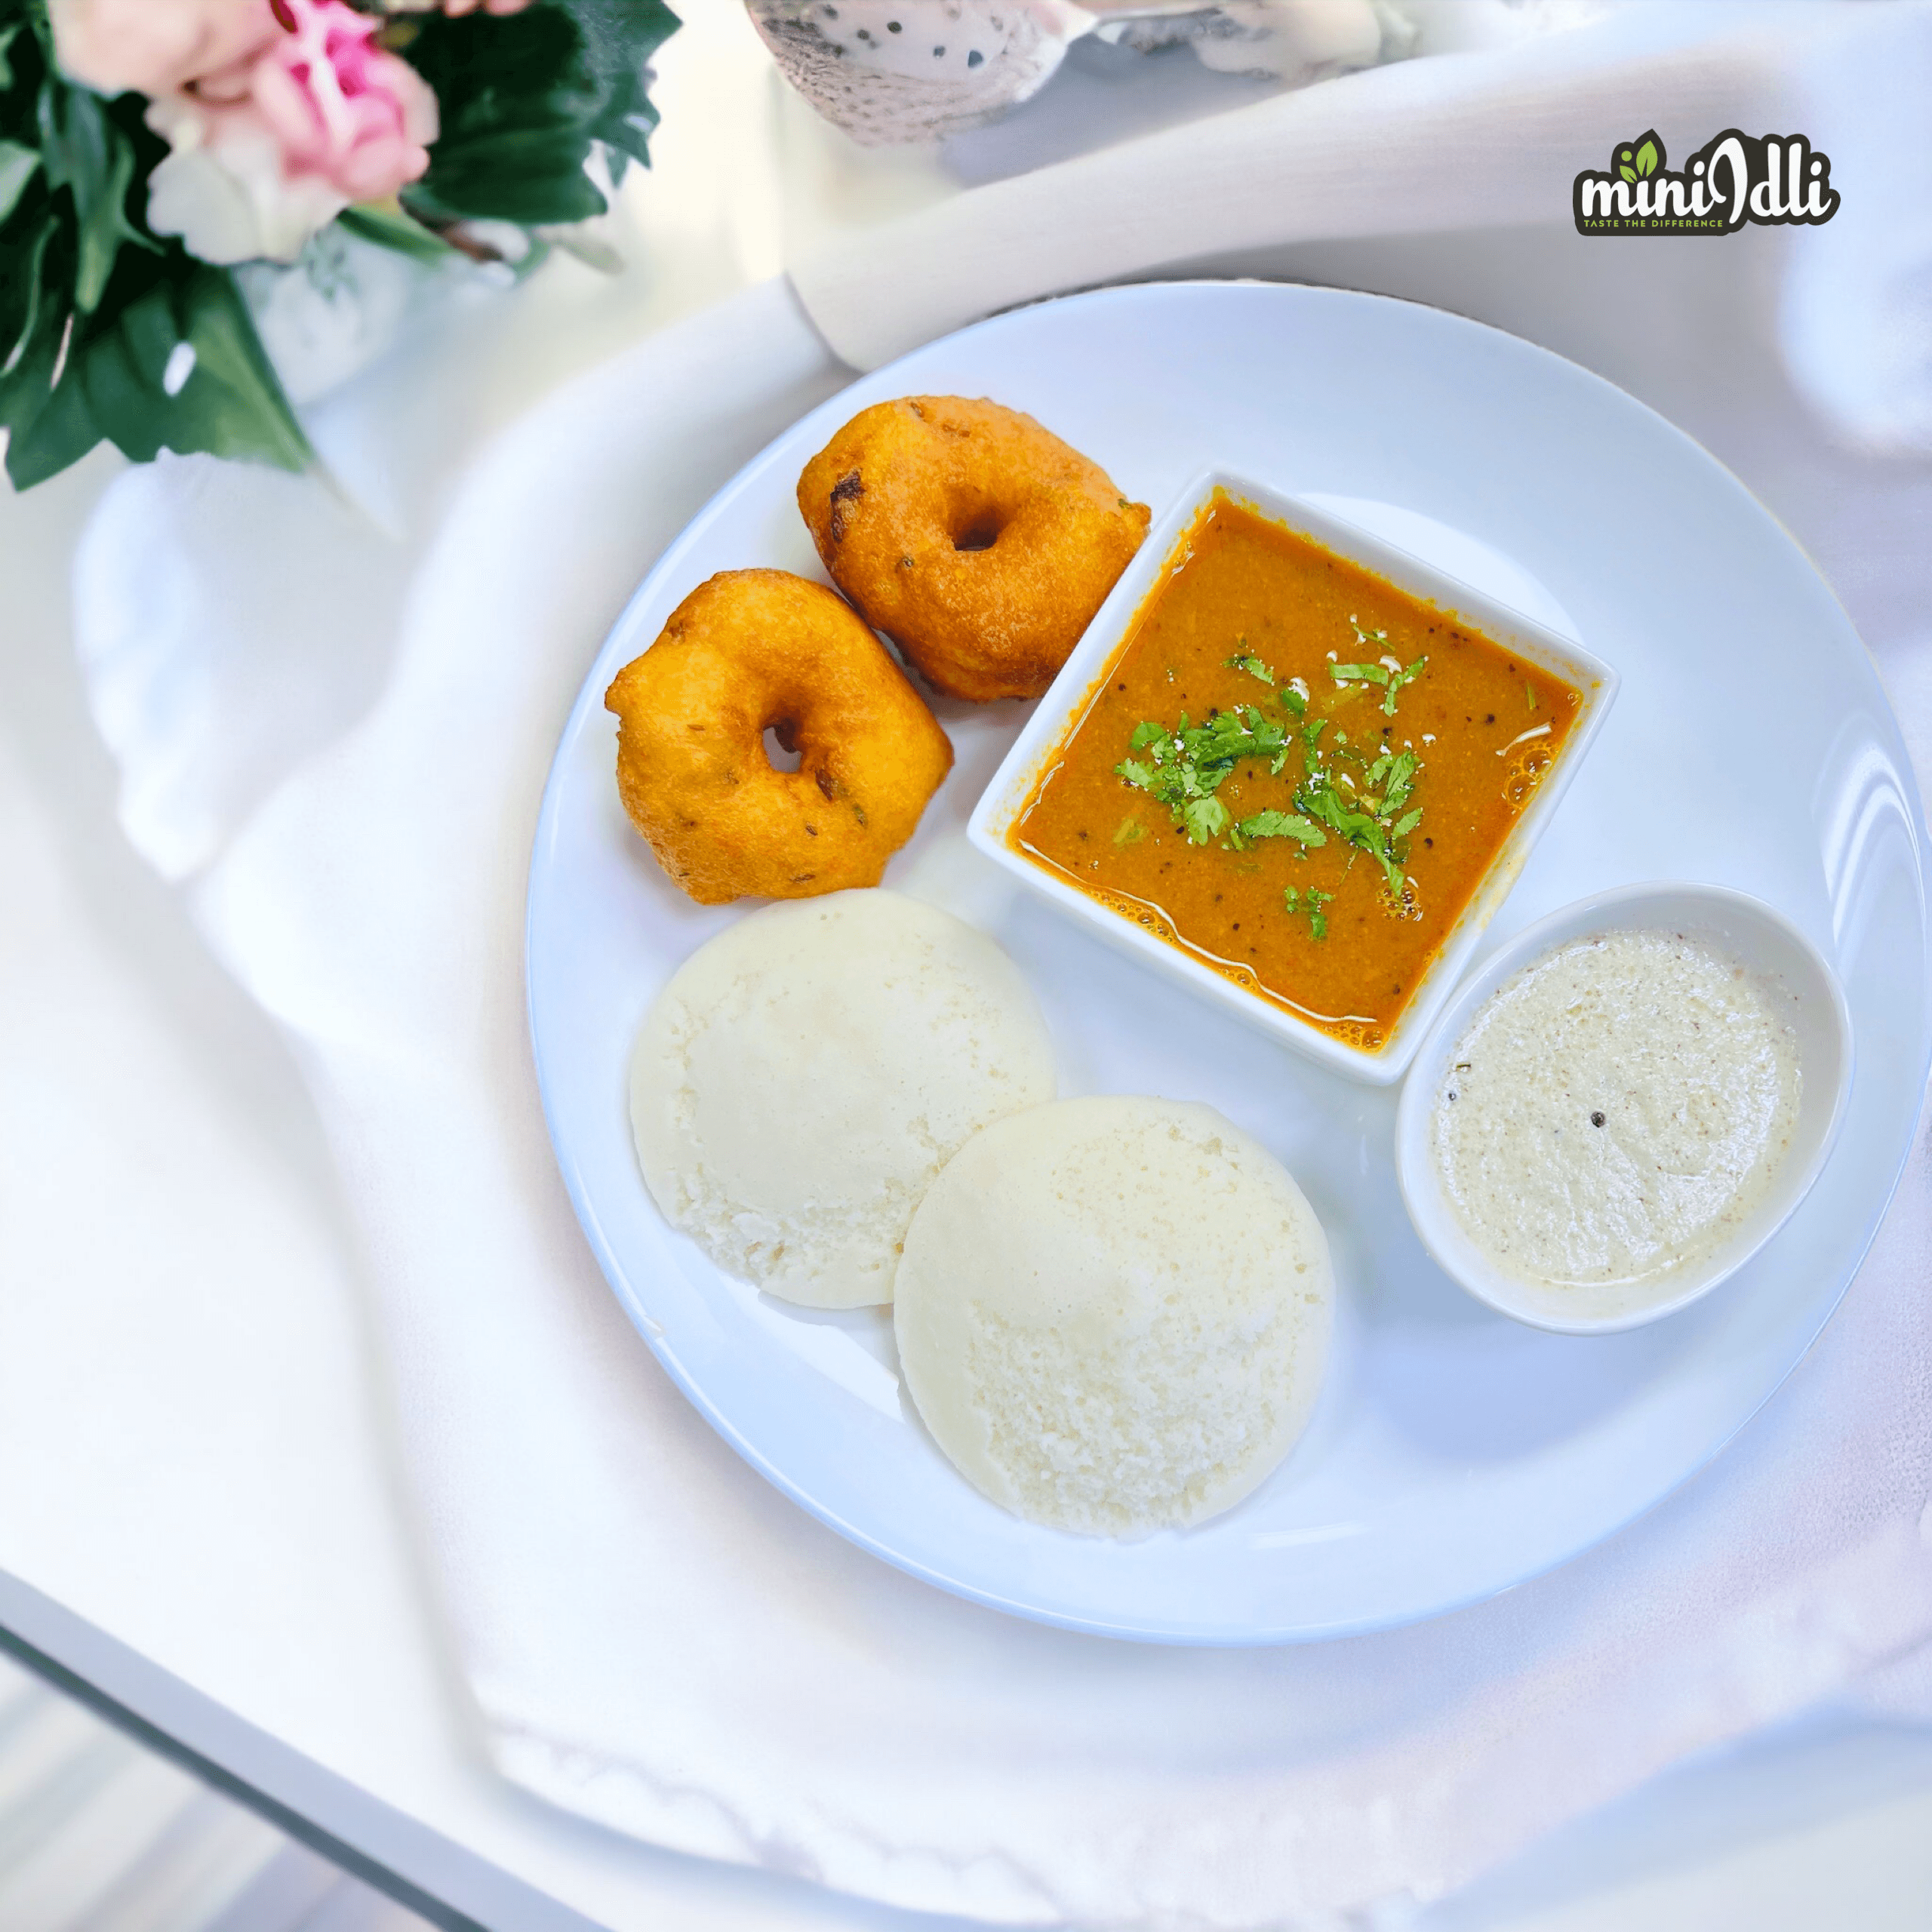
point(1772, 179)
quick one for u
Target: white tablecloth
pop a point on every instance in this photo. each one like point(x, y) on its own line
point(652, 1636)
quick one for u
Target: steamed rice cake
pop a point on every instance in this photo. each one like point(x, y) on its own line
point(806, 1073)
point(1113, 1313)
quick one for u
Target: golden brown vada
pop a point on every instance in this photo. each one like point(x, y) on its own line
point(750, 650)
point(975, 540)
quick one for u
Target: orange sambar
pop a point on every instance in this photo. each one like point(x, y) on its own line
point(1264, 638)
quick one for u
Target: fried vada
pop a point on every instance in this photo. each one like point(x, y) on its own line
point(758, 649)
point(974, 538)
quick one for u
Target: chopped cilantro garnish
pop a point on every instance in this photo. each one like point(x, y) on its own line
point(1283, 824)
point(1390, 675)
point(1391, 681)
point(1363, 797)
point(1394, 774)
point(1366, 831)
point(1204, 818)
point(1311, 902)
point(1253, 667)
point(1397, 679)
point(1190, 761)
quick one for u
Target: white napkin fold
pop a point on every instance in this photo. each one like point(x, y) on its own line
point(1466, 143)
point(652, 1636)
point(1458, 141)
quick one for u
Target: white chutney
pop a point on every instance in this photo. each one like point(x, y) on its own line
point(1616, 1109)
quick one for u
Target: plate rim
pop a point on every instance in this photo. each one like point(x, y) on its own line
point(659, 1341)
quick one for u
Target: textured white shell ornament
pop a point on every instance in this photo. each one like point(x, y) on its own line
point(894, 72)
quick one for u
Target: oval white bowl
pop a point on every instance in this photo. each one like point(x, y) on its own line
point(1765, 942)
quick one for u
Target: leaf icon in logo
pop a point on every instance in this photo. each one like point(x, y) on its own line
point(1624, 167)
point(1647, 158)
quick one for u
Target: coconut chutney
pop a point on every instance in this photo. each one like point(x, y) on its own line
point(1617, 1110)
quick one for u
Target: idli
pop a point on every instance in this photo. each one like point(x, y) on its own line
point(1113, 1313)
point(805, 1075)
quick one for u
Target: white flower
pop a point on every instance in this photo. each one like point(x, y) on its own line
point(266, 153)
point(223, 191)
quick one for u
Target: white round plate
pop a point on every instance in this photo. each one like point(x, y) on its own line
point(1454, 1452)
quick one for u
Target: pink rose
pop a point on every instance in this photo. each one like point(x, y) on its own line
point(341, 107)
point(158, 47)
point(267, 151)
point(155, 46)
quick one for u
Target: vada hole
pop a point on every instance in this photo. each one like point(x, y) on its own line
point(783, 757)
point(979, 534)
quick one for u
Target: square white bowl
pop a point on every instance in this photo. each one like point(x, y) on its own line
point(1088, 668)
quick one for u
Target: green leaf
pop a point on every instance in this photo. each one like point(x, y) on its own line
point(88, 294)
point(38, 433)
point(388, 229)
point(1406, 824)
point(1628, 172)
point(532, 176)
point(1360, 674)
point(1311, 902)
point(104, 229)
point(523, 98)
point(87, 153)
point(232, 405)
point(18, 166)
point(1204, 818)
point(1283, 824)
point(619, 38)
point(1254, 668)
point(1403, 767)
point(22, 295)
point(112, 385)
point(1397, 679)
point(1646, 159)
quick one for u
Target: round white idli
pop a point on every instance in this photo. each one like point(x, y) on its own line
point(806, 1073)
point(1114, 1313)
